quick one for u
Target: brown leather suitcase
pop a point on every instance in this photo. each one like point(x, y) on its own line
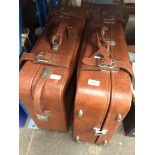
point(103, 95)
point(46, 73)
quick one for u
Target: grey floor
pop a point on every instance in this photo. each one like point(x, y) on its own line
point(41, 142)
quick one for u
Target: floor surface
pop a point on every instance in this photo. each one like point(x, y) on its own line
point(41, 142)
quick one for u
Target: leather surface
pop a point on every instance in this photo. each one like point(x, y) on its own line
point(101, 102)
point(39, 93)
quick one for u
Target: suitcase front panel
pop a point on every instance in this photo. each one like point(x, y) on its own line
point(52, 96)
point(93, 92)
point(119, 86)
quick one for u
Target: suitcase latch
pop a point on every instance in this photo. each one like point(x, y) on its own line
point(40, 59)
point(109, 66)
point(44, 117)
point(100, 132)
point(111, 42)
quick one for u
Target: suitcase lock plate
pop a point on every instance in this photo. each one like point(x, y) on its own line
point(106, 66)
point(40, 59)
point(111, 42)
point(44, 117)
point(100, 132)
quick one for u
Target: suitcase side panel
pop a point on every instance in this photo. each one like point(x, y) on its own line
point(121, 86)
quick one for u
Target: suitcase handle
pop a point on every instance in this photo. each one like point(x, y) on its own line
point(57, 38)
point(101, 40)
point(40, 113)
point(102, 43)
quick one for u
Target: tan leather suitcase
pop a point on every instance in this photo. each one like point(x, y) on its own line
point(103, 95)
point(46, 74)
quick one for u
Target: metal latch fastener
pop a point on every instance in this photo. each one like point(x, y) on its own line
point(111, 42)
point(100, 132)
point(78, 139)
point(39, 58)
point(80, 113)
point(109, 66)
point(109, 20)
point(43, 117)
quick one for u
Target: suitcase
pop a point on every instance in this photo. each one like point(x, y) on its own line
point(103, 94)
point(45, 76)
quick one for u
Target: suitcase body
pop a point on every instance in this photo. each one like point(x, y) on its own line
point(45, 76)
point(103, 95)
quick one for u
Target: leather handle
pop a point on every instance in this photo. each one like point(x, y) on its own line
point(57, 38)
point(37, 96)
point(103, 46)
point(38, 91)
point(101, 41)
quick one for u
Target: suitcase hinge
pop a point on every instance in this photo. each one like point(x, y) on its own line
point(100, 132)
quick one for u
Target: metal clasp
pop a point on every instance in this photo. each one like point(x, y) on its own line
point(106, 66)
point(111, 42)
point(44, 117)
point(100, 132)
point(39, 58)
point(80, 113)
point(109, 20)
point(98, 56)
